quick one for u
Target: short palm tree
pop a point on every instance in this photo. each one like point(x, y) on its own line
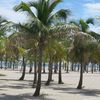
point(81, 46)
point(84, 25)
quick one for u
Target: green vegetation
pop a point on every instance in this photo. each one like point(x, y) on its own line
point(47, 37)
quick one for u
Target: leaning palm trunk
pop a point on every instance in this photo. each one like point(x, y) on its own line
point(24, 69)
point(81, 77)
point(50, 72)
point(60, 74)
point(38, 86)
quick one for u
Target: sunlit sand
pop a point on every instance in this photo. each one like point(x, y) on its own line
point(12, 89)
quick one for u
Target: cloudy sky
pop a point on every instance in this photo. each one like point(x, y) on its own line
point(80, 9)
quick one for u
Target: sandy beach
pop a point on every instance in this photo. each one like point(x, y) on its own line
point(12, 89)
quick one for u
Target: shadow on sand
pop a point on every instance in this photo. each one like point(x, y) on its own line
point(23, 97)
point(59, 88)
point(85, 92)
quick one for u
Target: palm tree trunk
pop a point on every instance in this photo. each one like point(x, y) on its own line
point(65, 66)
point(43, 67)
point(31, 65)
point(24, 69)
point(87, 69)
point(6, 63)
point(1, 63)
point(81, 76)
point(67, 71)
point(55, 67)
point(10, 64)
point(35, 73)
point(99, 67)
point(72, 67)
point(60, 74)
point(13, 65)
point(92, 68)
point(38, 86)
point(50, 72)
point(78, 67)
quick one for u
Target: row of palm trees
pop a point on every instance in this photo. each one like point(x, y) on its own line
point(47, 37)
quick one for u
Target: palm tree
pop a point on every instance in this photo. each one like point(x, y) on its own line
point(2, 50)
point(42, 19)
point(84, 25)
point(3, 26)
point(95, 35)
point(20, 40)
point(81, 44)
point(50, 52)
point(59, 56)
point(24, 69)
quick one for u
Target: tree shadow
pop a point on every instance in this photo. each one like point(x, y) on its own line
point(15, 80)
point(1, 89)
point(23, 97)
point(16, 86)
point(85, 92)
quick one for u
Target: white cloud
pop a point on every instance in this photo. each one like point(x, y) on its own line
point(93, 6)
point(91, 9)
point(6, 10)
point(95, 29)
point(11, 15)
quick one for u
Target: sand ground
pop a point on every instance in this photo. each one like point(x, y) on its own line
point(12, 89)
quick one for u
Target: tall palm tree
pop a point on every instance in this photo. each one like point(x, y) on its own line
point(42, 20)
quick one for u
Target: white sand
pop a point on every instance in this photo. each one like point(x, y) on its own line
point(11, 89)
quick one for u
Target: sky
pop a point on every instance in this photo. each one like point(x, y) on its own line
point(80, 9)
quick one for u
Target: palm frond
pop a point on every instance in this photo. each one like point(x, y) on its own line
point(60, 16)
point(53, 5)
point(90, 21)
point(74, 22)
point(84, 25)
point(95, 35)
point(24, 7)
point(63, 13)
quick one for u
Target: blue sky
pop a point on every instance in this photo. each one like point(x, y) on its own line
point(79, 8)
point(82, 8)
